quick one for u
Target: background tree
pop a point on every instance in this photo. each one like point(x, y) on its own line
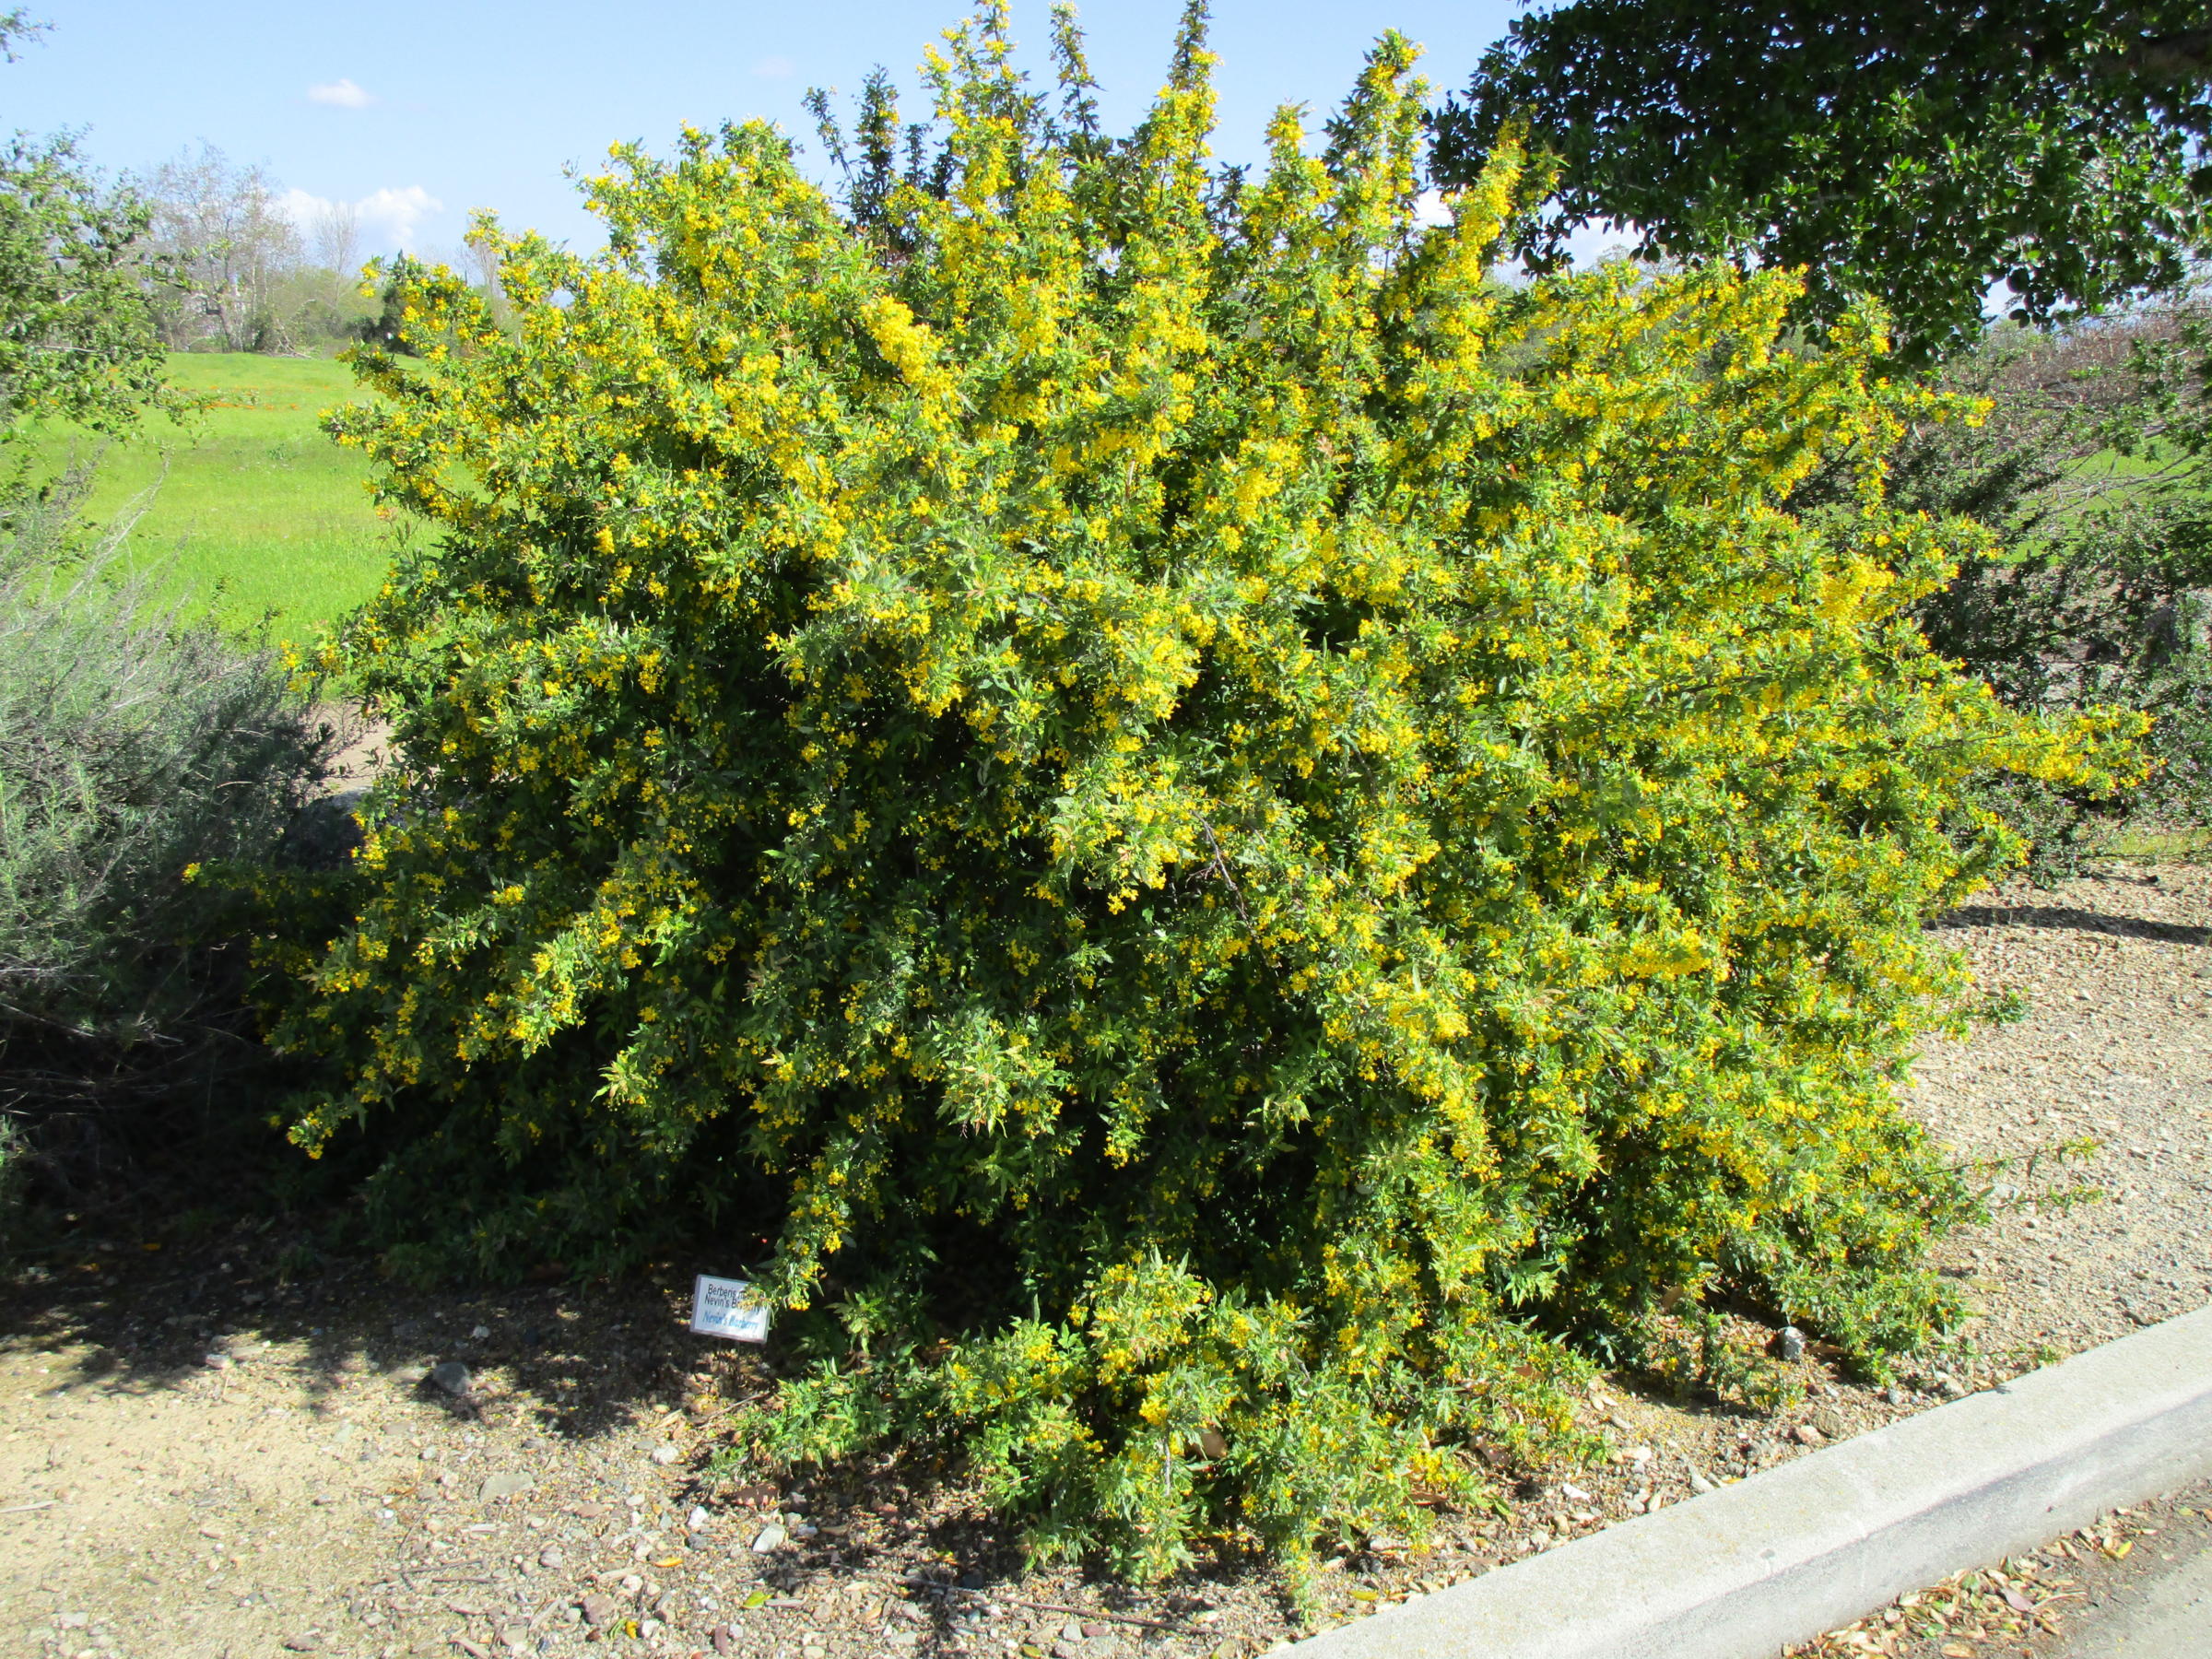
point(79, 334)
point(1915, 150)
point(221, 227)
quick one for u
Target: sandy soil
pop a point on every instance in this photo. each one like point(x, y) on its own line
point(203, 1456)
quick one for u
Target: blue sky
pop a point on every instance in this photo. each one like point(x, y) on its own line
point(421, 112)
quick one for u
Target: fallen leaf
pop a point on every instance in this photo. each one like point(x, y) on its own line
point(2119, 1547)
point(1957, 1650)
point(2017, 1602)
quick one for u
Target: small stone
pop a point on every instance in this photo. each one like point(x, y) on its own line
point(508, 1483)
point(452, 1376)
point(1896, 1396)
point(1699, 1481)
point(1572, 1493)
point(723, 1643)
point(1093, 1632)
point(1829, 1421)
point(219, 1362)
point(1790, 1344)
point(1953, 1389)
point(651, 1628)
point(1804, 1434)
point(632, 1584)
point(800, 1529)
point(599, 1610)
point(481, 1333)
point(1072, 1631)
point(902, 1639)
point(550, 1557)
point(307, 1642)
point(665, 1456)
point(1067, 1649)
point(698, 1519)
point(771, 1537)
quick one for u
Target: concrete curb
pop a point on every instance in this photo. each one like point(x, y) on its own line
point(1827, 1538)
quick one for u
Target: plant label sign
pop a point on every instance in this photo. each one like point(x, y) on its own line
point(727, 1307)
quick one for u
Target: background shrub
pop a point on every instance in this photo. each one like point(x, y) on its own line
point(2087, 460)
point(1200, 833)
point(132, 745)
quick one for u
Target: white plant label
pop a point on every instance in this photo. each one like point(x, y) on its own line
point(727, 1307)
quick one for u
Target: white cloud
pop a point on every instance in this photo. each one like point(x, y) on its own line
point(389, 218)
point(775, 68)
point(341, 94)
point(1429, 208)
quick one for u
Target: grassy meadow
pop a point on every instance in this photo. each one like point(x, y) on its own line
point(253, 512)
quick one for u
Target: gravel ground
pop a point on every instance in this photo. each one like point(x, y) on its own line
point(203, 1457)
point(2052, 1604)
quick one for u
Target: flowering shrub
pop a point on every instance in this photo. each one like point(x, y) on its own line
point(1221, 828)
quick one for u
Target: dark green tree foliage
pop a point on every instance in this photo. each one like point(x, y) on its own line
point(1915, 150)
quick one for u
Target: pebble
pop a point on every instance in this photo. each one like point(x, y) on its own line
point(1790, 1345)
point(307, 1642)
point(1699, 1482)
point(697, 1520)
point(1572, 1493)
point(1072, 1631)
point(1067, 1649)
point(1831, 1422)
point(452, 1376)
point(550, 1556)
point(219, 1362)
point(508, 1483)
point(481, 1333)
point(665, 1456)
point(599, 1610)
point(1804, 1434)
point(771, 1537)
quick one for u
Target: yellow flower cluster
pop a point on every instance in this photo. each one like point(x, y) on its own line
point(1165, 782)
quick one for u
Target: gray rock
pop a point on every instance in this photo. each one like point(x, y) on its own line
point(219, 1362)
point(1790, 1344)
point(452, 1376)
point(771, 1537)
point(1829, 1421)
point(599, 1610)
point(698, 1519)
point(665, 1456)
point(508, 1483)
point(1071, 1631)
point(1699, 1482)
point(550, 1556)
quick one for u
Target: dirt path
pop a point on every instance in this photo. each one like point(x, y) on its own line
point(201, 1456)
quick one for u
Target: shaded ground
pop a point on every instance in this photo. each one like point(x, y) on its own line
point(201, 1454)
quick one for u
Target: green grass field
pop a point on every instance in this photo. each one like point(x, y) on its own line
point(254, 512)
